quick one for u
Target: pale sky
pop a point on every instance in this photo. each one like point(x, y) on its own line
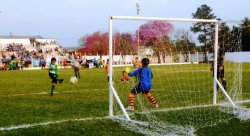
point(68, 20)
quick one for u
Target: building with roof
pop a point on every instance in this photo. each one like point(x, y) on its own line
point(28, 42)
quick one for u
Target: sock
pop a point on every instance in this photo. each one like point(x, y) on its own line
point(151, 98)
point(52, 89)
point(131, 99)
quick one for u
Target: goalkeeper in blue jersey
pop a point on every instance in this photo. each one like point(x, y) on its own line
point(220, 68)
point(145, 83)
point(53, 74)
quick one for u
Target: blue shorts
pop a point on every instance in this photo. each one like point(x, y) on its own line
point(138, 89)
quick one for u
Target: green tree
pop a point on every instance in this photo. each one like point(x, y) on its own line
point(245, 22)
point(245, 34)
point(205, 30)
point(184, 43)
point(229, 38)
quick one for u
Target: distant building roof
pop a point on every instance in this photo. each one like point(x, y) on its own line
point(72, 49)
point(19, 37)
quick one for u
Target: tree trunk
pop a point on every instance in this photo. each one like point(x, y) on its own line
point(123, 58)
point(164, 58)
point(205, 57)
point(159, 57)
point(186, 57)
point(100, 57)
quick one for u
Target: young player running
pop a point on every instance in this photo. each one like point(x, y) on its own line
point(53, 74)
point(145, 83)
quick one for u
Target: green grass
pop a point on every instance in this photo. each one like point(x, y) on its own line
point(89, 99)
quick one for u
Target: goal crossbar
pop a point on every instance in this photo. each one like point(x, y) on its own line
point(164, 19)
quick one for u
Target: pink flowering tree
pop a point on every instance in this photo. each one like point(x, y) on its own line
point(96, 43)
point(155, 34)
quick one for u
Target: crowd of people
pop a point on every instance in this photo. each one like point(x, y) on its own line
point(16, 56)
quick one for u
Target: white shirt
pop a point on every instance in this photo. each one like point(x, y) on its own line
point(76, 63)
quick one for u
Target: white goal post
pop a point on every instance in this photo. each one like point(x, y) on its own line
point(112, 91)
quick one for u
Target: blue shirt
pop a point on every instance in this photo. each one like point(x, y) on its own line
point(145, 77)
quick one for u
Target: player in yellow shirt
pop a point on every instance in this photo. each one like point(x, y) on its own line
point(137, 64)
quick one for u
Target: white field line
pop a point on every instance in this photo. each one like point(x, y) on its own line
point(243, 101)
point(181, 108)
point(186, 107)
point(41, 93)
point(69, 67)
point(200, 106)
point(45, 93)
point(48, 123)
point(97, 118)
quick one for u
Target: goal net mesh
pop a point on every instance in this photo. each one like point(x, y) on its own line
point(182, 82)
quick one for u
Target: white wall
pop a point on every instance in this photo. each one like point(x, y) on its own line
point(116, 58)
point(24, 42)
point(46, 40)
point(238, 56)
point(195, 57)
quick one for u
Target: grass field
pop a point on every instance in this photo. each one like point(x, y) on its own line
point(82, 109)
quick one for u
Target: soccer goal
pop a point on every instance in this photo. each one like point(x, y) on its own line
point(197, 73)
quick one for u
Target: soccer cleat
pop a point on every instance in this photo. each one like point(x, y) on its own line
point(51, 94)
point(60, 81)
point(155, 105)
point(130, 108)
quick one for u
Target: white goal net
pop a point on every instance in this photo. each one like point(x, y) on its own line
point(182, 60)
